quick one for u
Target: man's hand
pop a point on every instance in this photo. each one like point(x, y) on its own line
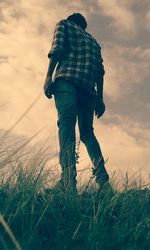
point(48, 87)
point(99, 108)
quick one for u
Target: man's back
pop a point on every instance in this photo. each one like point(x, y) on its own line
point(80, 60)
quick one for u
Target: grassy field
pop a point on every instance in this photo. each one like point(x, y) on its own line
point(31, 218)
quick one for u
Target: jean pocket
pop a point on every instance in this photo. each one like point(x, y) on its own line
point(61, 85)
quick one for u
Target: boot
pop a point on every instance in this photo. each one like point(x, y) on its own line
point(67, 182)
point(101, 175)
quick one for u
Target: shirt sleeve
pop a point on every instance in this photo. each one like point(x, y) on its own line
point(58, 43)
point(101, 68)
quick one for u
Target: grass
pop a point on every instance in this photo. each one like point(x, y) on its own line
point(31, 218)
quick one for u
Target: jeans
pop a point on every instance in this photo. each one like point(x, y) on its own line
point(75, 104)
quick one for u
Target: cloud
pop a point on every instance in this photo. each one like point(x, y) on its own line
point(147, 20)
point(140, 132)
point(123, 150)
point(25, 36)
point(123, 20)
point(126, 68)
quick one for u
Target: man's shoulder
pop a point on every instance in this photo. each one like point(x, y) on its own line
point(93, 39)
point(61, 22)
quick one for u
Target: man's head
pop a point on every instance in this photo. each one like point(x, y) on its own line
point(78, 19)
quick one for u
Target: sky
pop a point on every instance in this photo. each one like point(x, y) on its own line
point(122, 28)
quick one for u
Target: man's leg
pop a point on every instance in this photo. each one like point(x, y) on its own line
point(66, 104)
point(86, 104)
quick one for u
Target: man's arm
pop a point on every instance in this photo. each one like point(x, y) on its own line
point(52, 64)
point(100, 106)
point(100, 76)
point(48, 85)
point(100, 83)
point(55, 54)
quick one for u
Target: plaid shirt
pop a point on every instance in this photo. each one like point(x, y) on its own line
point(79, 55)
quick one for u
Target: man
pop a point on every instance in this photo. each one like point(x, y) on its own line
point(78, 92)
